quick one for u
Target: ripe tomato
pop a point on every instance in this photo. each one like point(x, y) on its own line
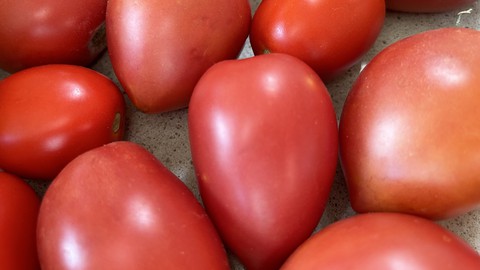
point(159, 49)
point(52, 113)
point(118, 207)
point(18, 223)
point(263, 136)
point(329, 35)
point(427, 5)
point(409, 132)
point(34, 33)
point(384, 241)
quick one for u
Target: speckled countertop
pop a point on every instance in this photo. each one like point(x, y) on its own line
point(166, 136)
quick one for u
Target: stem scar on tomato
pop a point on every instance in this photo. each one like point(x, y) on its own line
point(117, 122)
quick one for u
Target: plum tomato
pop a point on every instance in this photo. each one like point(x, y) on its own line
point(52, 113)
point(384, 241)
point(409, 131)
point(117, 207)
point(329, 35)
point(34, 33)
point(160, 48)
point(19, 206)
point(427, 6)
point(264, 143)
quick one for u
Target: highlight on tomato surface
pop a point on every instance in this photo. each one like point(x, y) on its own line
point(409, 132)
point(159, 49)
point(378, 241)
point(264, 142)
point(330, 35)
point(117, 207)
point(35, 33)
point(52, 113)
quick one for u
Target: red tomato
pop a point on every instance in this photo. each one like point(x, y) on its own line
point(118, 207)
point(51, 114)
point(263, 136)
point(34, 33)
point(159, 49)
point(18, 222)
point(329, 35)
point(384, 241)
point(427, 5)
point(409, 132)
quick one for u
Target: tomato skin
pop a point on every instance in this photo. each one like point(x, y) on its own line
point(409, 138)
point(118, 207)
point(18, 222)
point(159, 49)
point(36, 33)
point(427, 6)
point(263, 137)
point(385, 241)
point(316, 31)
point(52, 113)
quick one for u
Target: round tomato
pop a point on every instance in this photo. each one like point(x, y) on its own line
point(329, 35)
point(18, 223)
point(409, 132)
point(52, 113)
point(159, 49)
point(263, 136)
point(117, 207)
point(384, 241)
point(34, 33)
point(427, 5)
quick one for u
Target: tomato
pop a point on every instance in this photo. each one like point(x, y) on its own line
point(118, 207)
point(159, 49)
point(385, 241)
point(35, 33)
point(409, 133)
point(19, 206)
point(428, 6)
point(329, 35)
point(52, 113)
point(263, 137)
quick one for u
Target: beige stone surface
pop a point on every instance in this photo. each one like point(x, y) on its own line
point(166, 136)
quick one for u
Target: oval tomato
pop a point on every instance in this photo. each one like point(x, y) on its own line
point(18, 223)
point(427, 5)
point(35, 33)
point(118, 207)
point(383, 241)
point(330, 36)
point(159, 49)
point(263, 136)
point(52, 113)
point(409, 132)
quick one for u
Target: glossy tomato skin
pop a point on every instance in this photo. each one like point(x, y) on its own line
point(329, 35)
point(384, 241)
point(427, 6)
point(159, 49)
point(52, 113)
point(36, 33)
point(263, 137)
point(118, 207)
point(409, 133)
point(19, 206)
